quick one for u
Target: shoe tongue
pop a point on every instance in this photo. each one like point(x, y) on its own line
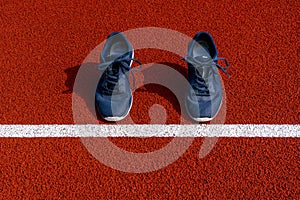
point(118, 57)
point(112, 57)
point(203, 54)
point(205, 47)
point(203, 58)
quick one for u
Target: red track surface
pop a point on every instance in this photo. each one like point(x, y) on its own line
point(43, 43)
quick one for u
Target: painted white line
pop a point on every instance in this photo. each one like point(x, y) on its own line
point(229, 130)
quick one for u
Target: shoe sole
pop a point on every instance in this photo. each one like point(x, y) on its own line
point(115, 119)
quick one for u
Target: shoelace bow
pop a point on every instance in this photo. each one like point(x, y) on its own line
point(112, 71)
point(203, 89)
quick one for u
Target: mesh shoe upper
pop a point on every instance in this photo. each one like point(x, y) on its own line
point(113, 95)
point(204, 96)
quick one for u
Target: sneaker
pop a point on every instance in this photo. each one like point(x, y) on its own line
point(204, 97)
point(113, 94)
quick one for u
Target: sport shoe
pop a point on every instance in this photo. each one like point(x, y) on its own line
point(113, 94)
point(204, 97)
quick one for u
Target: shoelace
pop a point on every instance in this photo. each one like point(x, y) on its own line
point(112, 71)
point(202, 88)
point(224, 69)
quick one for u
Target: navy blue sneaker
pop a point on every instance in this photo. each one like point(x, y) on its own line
point(204, 97)
point(113, 94)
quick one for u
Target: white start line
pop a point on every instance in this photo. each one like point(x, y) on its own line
point(151, 130)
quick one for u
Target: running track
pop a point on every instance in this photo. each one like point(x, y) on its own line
point(42, 45)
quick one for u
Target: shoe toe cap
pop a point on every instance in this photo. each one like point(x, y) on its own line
point(113, 107)
point(199, 107)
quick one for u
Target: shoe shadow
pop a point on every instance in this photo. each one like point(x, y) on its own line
point(169, 81)
point(71, 75)
point(84, 90)
point(219, 119)
point(85, 87)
